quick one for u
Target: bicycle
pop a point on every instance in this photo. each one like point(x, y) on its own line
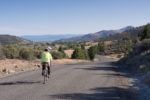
point(45, 73)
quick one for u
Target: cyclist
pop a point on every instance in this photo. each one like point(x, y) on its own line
point(46, 59)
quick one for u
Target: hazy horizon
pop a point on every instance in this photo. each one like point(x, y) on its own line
point(36, 17)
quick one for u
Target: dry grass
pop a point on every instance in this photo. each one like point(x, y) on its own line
point(91, 43)
point(13, 65)
point(69, 52)
point(108, 42)
point(68, 61)
point(87, 47)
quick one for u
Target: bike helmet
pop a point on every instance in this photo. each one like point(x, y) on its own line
point(45, 49)
point(49, 48)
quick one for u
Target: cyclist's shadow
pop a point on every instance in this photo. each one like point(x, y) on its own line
point(20, 83)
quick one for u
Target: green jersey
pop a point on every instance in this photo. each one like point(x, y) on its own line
point(46, 57)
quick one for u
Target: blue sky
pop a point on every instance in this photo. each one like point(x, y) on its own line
point(37, 17)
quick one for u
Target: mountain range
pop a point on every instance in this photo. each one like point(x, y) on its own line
point(53, 37)
point(75, 37)
point(104, 34)
point(130, 34)
point(9, 39)
point(97, 35)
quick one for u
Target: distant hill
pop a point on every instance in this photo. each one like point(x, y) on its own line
point(126, 34)
point(97, 35)
point(39, 38)
point(9, 39)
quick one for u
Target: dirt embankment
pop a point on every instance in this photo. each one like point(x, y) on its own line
point(116, 57)
point(9, 66)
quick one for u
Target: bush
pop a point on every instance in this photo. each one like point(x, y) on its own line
point(38, 54)
point(92, 52)
point(2, 55)
point(146, 33)
point(61, 49)
point(142, 47)
point(101, 47)
point(86, 55)
point(11, 51)
point(26, 53)
point(80, 54)
point(83, 46)
point(58, 55)
point(15, 51)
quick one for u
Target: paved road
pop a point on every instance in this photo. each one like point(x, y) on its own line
point(99, 80)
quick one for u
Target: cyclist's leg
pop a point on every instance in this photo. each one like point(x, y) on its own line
point(48, 70)
point(43, 68)
point(48, 67)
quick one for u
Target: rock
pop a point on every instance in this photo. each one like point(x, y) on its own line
point(16, 66)
point(11, 71)
point(22, 70)
point(38, 66)
point(4, 70)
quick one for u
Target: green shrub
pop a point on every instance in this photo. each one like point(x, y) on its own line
point(11, 51)
point(2, 55)
point(92, 52)
point(19, 52)
point(101, 47)
point(86, 55)
point(146, 33)
point(83, 46)
point(61, 49)
point(26, 53)
point(38, 54)
point(80, 54)
point(58, 55)
point(142, 47)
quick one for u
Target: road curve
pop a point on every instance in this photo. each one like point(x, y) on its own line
point(99, 80)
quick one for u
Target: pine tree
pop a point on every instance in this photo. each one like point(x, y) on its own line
point(61, 49)
point(92, 52)
point(79, 54)
point(146, 33)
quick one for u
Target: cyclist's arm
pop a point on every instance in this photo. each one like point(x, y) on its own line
point(42, 58)
point(51, 59)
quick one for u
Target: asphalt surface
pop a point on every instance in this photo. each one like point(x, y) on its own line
point(99, 80)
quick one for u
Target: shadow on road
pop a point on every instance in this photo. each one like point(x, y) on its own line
point(112, 75)
point(113, 66)
point(19, 83)
point(99, 68)
point(109, 93)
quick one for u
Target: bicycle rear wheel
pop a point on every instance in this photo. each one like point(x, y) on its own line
point(45, 76)
point(45, 73)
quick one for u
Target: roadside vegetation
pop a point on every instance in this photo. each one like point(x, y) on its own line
point(19, 52)
point(82, 53)
point(27, 52)
point(123, 45)
point(138, 60)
